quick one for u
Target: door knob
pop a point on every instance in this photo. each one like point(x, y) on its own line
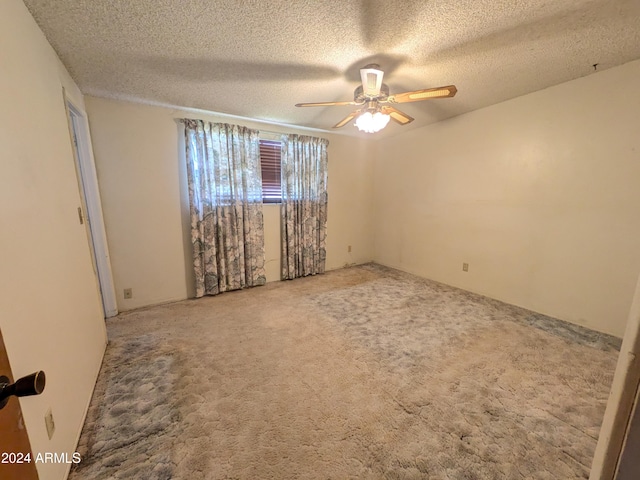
point(30, 385)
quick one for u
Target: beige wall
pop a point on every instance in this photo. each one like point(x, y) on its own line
point(538, 194)
point(139, 152)
point(50, 311)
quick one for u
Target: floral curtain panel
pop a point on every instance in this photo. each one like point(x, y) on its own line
point(225, 196)
point(304, 205)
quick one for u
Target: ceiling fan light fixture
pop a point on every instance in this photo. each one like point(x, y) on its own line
point(372, 122)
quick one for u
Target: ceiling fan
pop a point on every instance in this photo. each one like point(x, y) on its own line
point(376, 103)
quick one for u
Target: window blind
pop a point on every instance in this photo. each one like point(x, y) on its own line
point(270, 164)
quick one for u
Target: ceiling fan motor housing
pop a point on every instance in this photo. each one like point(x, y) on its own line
point(359, 96)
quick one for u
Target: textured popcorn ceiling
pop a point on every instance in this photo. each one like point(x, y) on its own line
point(258, 58)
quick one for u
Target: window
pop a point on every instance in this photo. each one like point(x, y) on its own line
point(270, 164)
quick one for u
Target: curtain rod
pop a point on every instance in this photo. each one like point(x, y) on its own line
point(265, 134)
point(285, 126)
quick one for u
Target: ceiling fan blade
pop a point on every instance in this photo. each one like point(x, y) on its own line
point(400, 117)
point(371, 77)
point(347, 119)
point(325, 104)
point(425, 94)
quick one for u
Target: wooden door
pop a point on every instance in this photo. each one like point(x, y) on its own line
point(16, 459)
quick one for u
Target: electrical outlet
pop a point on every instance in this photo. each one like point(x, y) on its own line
point(465, 267)
point(50, 424)
point(349, 249)
point(128, 293)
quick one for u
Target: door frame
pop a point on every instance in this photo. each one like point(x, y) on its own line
point(92, 206)
point(621, 407)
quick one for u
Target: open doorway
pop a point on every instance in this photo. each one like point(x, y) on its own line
point(92, 207)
